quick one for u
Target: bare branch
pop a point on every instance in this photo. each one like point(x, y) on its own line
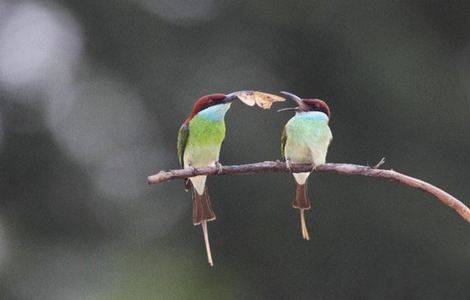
point(343, 169)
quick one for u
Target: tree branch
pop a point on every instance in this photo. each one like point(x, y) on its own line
point(343, 169)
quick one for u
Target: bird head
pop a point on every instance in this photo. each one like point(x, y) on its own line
point(209, 101)
point(306, 105)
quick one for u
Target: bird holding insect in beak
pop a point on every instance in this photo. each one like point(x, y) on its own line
point(199, 141)
point(305, 140)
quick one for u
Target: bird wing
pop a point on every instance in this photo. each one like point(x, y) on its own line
point(183, 135)
point(283, 143)
point(263, 100)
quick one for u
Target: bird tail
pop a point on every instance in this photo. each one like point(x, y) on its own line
point(202, 213)
point(302, 203)
point(202, 209)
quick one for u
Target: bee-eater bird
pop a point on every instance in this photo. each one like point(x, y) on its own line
point(305, 139)
point(199, 141)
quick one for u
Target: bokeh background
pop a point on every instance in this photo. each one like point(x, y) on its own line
point(92, 94)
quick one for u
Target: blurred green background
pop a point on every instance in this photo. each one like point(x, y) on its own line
point(92, 94)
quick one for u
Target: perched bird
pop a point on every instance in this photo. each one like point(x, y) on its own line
point(305, 139)
point(199, 141)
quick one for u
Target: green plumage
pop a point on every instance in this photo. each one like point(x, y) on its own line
point(283, 143)
point(306, 138)
point(199, 144)
point(200, 140)
point(183, 134)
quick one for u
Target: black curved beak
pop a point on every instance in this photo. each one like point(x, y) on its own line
point(291, 97)
point(229, 98)
point(232, 96)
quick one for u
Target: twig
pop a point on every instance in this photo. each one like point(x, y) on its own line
point(344, 169)
point(379, 164)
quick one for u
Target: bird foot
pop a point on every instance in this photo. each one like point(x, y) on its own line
point(218, 165)
point(289, 165)
point(194, 170)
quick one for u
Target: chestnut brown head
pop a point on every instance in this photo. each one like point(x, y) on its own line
point(305, 105)
point(315, 105)
point(206, 102)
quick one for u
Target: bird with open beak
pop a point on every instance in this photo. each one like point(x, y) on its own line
point(199, 141)
point(305, 140)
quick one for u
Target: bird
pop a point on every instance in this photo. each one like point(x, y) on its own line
point(199, 142)
point(305, 140)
